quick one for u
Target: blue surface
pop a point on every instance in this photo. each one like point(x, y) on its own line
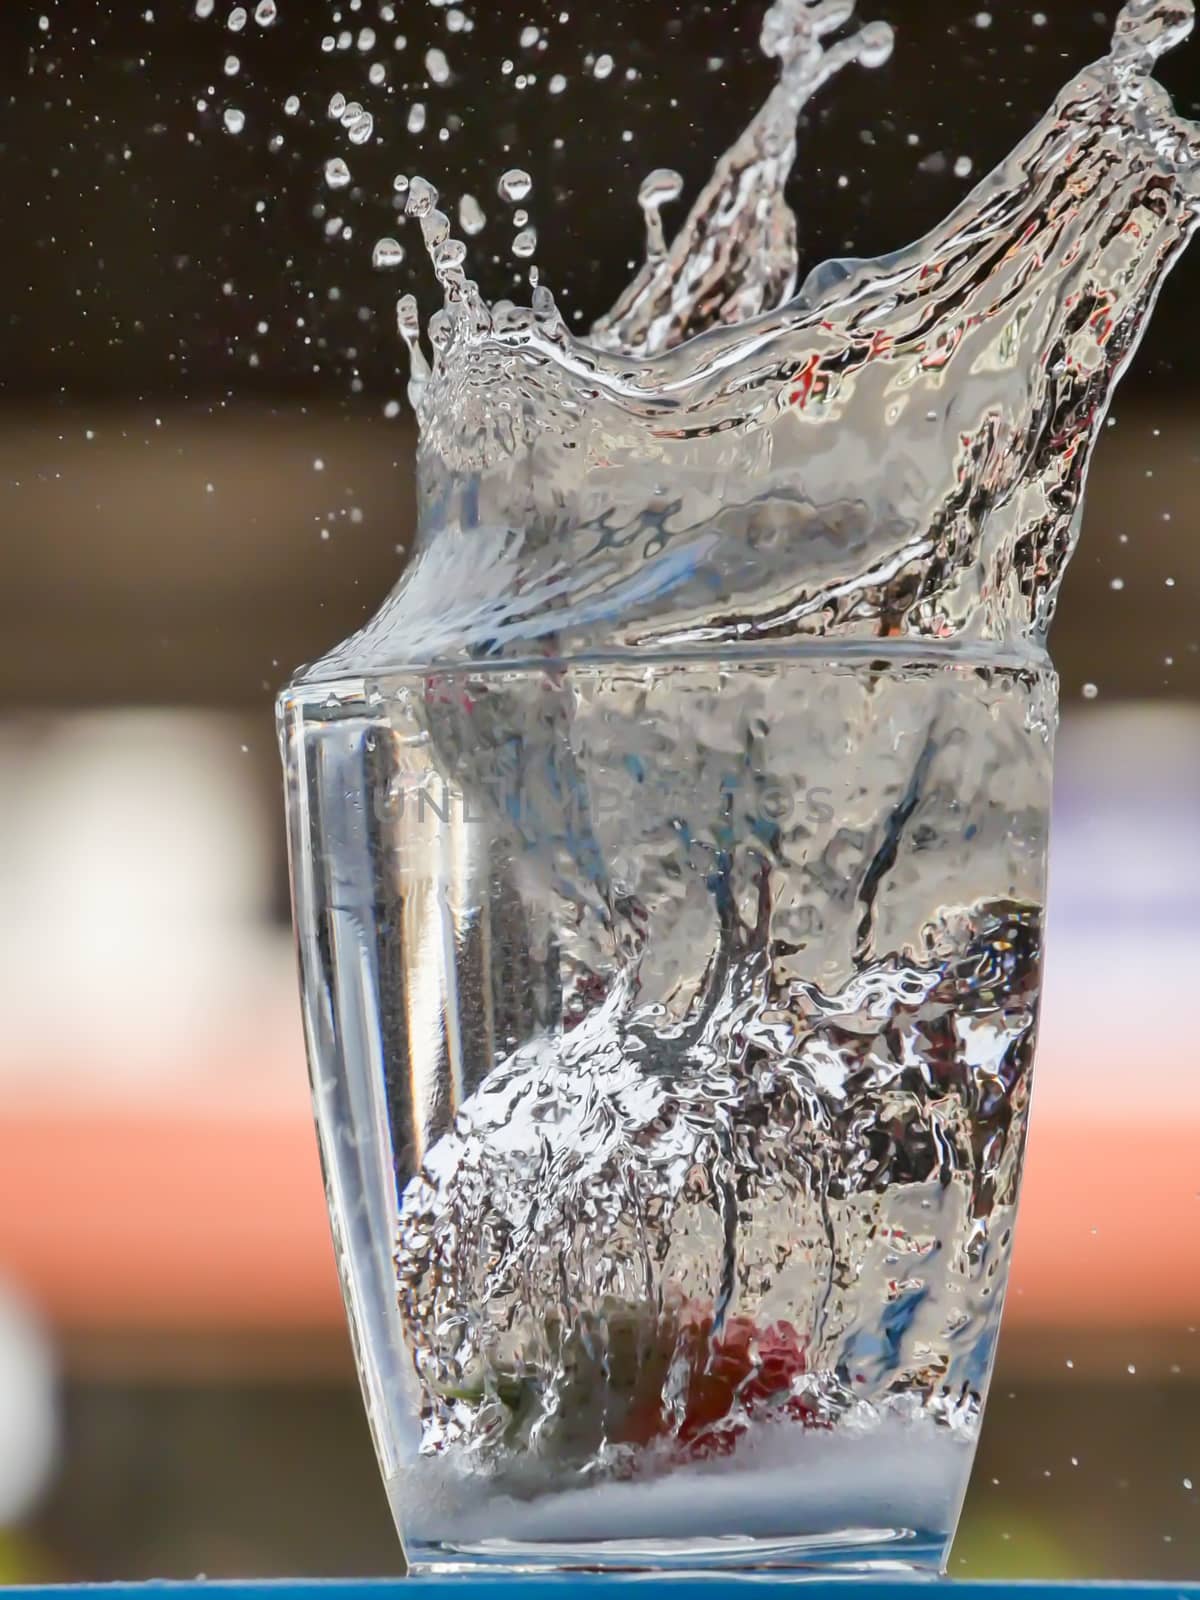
point(682, 1588)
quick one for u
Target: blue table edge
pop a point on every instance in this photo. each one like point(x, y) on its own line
point(683, 1587)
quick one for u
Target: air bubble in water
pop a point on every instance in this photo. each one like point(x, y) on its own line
point(437, 66)
point(337, 173)
point(265, 13)
point(237, 19)
point(234, 119)
point(515, 184)
point(416, 117)
point(471, 218)
point(525, 243)
point(388, 253)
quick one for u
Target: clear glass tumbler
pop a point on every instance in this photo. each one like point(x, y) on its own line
point(670, 1023)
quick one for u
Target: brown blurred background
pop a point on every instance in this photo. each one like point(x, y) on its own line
point(204, 480)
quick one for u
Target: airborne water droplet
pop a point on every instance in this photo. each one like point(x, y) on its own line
point(234, 119)
point(360, 127)
point(337, 173)
point(659, 188)
point(336, 106)
point(471, 218)
point(437, 66)
point(388, 253)
point(265, 13)
point(603, 67)
point(515, 184)
point(416, 117)
point(525, 243)
point(237, 19)
point(291, 105)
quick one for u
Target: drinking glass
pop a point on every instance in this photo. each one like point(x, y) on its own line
point(670, 1021)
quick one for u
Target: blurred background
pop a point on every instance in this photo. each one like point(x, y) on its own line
point(205, 479)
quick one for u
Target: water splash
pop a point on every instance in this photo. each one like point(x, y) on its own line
point(708, 1124)
point(898, 449)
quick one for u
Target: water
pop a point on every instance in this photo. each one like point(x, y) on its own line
point(701, 1008)
point(669, 851)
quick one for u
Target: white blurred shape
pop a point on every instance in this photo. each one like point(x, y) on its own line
point(28, 1410)
point(135, 885)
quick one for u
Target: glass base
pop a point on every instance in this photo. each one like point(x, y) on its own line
point(893, 1553)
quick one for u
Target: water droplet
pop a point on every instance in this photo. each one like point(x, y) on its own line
point(520, 217)
point(1090, 691)
point(525, 243)
point(360, 128)
point(366, 40)
point(963, 167)
point(291, 105)
point(456, 20)
point(235, 120)
point(265, 13)
point(983, 19)
point(204, 8)
point(660, 187)
point(1117, 583)
point(337, 173)
point(318, 464)
point(388, 253)
point(377, 74)
point(336, 106)
point(416, 117)
point(422, 197)
point(515, 184)
point(437, 66)
point(529, 37)
point(557, 83)
point(237, 19)
point(471, 218)
point(603, 67)
point(232, 66)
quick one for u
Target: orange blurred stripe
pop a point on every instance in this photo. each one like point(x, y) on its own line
point(115, 1221)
